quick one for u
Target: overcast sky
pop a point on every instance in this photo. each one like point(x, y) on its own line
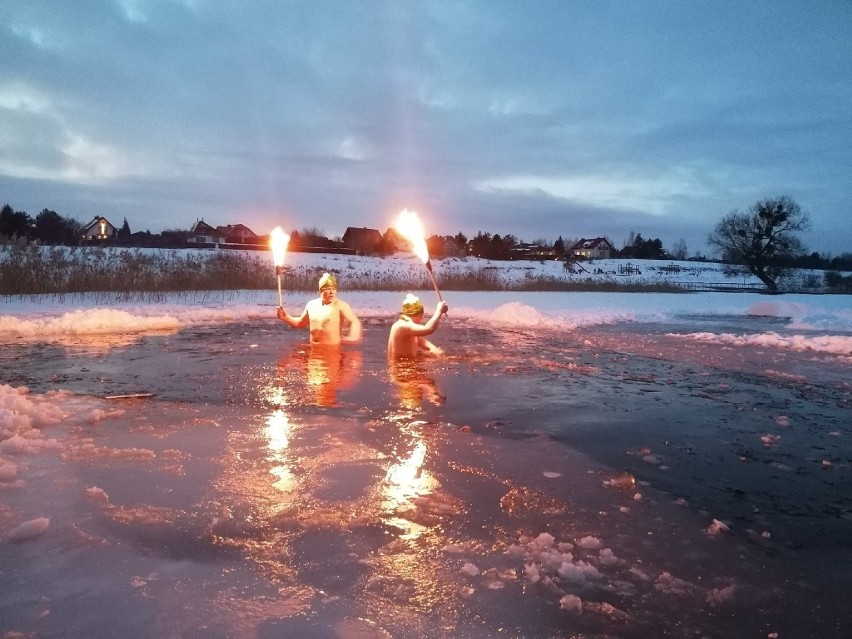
point(539, 118)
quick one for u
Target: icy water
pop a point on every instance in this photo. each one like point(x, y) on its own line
point(620, 481)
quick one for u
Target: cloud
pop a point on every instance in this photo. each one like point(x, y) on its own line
point(554, 117)
point(649, 193)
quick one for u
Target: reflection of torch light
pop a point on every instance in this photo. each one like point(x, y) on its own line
point(411, 229)
point(278, 241)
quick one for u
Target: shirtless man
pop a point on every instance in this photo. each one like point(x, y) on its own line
point(326, 316)
point(408, 334)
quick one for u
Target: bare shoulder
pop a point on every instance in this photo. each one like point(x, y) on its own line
point(342, 305)
point(345, 309)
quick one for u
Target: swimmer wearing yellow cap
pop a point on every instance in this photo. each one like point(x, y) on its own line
point(408, 334)
point(326, 316)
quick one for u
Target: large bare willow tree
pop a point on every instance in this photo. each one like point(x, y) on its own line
point(761, 240)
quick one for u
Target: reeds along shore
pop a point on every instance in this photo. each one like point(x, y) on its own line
point(132, 273)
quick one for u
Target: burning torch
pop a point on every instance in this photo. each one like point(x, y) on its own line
point(411, 229)
point(278, 241)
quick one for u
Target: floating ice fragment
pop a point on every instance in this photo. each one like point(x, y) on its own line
point(97, 494)
point(29, 529)
point(608, 558)
point(466, 591)
point(544, 540)
point(8, 471)
point(589, 543)
point(552, 559)
point(551, 475)
point(782, 420)
point(31, 443)
point(621, 480)
point(495, 585)
point(720, 595)
point(770, 440)
point(98, 415)
point(579, 572)
point(469, 569)
point(718, 527)
point(607, 610)
point(637, 497)
point(636, 572)
point(531, 573)
point(571, 603)
point(670, 584)
point(826, 463)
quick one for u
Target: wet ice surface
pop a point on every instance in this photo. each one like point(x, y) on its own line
point(617, 481)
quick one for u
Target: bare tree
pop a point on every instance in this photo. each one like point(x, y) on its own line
point(761, 240)
point(679, 251)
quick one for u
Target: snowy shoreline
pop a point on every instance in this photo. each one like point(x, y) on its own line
point(821, 323)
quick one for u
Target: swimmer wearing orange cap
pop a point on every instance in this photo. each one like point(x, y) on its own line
point(408, 334)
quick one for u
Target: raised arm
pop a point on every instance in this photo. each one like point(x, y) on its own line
point(429, 327)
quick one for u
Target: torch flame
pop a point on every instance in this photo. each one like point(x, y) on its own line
point(411, 229)
point(278, 241)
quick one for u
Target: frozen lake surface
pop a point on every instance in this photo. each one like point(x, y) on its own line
point(620, 480)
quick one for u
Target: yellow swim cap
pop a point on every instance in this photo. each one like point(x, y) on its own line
point(327, 279)
point(412, 306)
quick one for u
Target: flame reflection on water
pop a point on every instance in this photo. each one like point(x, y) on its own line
point(307, 489)
point(405, 482)
point(277, 431)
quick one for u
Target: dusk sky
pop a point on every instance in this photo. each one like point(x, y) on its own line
point(541, 118)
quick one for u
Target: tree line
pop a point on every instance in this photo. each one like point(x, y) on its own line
point(761, 240)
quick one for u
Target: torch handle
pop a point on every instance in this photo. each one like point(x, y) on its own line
point(435, 284)
point(280, 298)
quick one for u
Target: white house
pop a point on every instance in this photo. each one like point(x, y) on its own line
point(595, 249)
point(99, 229)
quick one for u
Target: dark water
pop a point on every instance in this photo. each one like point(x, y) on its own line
point(267, 490)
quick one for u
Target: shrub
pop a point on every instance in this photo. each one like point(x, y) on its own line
point(838, 283)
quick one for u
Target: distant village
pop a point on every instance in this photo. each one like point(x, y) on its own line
point(50, 228)
point(355, 241)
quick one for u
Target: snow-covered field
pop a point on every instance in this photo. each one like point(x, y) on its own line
point(407, 267)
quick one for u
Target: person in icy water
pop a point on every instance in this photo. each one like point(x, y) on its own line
point(408, 334)
point(326, 316)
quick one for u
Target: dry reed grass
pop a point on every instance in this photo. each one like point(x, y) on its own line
point(146, 275)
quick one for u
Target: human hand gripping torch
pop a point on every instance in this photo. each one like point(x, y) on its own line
point(411, 229)
point(278, 241)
